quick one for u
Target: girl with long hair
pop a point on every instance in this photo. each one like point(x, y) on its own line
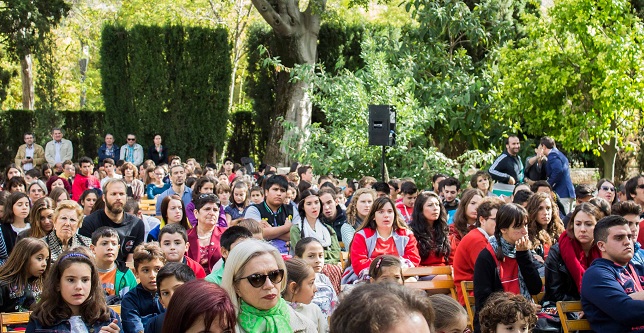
point(41, 219)
point(465, 216)
point(173, 211)
point(235, 211)
point(429, 224)
point(15, 219)
point(21, 278)
point(300, 291)
point(544, 224)
point(357, 211)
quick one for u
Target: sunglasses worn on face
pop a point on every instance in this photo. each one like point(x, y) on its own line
point(640, 186)
point(258, 280)
point(131, 139)
point(607, 188)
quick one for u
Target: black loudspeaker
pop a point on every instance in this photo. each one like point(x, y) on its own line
point(382, 125)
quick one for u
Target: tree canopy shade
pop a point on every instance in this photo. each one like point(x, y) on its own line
point(23, 25)
point(577, 76)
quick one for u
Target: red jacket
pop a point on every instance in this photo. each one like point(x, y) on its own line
point(465, 258)
point(82, 183)
point(214, 252)
point(361, 258)
point(199, 272)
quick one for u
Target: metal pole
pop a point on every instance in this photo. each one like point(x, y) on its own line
point(382, 163)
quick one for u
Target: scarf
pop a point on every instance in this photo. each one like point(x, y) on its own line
point(510, 251)
point(275, 320)
point(321, 233)
point(574, 257)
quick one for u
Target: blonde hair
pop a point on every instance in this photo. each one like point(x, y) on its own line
point(69, 204)
point(240, 256)
point(352, 210)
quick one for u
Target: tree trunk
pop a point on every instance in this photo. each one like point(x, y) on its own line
point(26, 72)
point(296, 35)
point(608, 155)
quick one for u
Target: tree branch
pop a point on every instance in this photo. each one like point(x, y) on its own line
point(271, 17)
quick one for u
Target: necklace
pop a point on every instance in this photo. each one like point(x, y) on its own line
point(206, 236)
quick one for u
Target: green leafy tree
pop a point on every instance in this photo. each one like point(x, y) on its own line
point(23, 26)
point(577, 76)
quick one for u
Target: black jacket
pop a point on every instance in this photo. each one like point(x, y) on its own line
point(506, 166)
point(340, 219)
point(559, 284)
point(154, 155)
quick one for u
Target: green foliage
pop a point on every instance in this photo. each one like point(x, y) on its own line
point(172, 81)
point(24, 24)
point(577, 76)
point(342, 147)
point(243, 141)
point(83, 129)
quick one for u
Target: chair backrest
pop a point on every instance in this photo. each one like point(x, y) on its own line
point(116, 308)
point(467, 287)
point(345, 259)
point(13, 318)
point(571, 325)
point(538, 297)
point(148, 206)
point(442, 283)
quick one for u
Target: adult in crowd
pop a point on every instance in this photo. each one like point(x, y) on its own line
point(203, 185)
point(88, 199)
point(544, 224)
point(606, 190)
point(55, 181)
point(583, 193)
point(129, 227)
point(356, 213)
point(68, 217)
point(36, 190)
point(508, 168)
point(275, 216)
point(465, 217)
point(569, 259)
point(178, 187)
point(205, 238)
point(131, 151)
point(158, 152)
point(449, 189)
point(612, 295)
point(108, 150)
point(429, 224)
point(388, 307)
point(58, 149)
point(482, 181)
point(332, 214)
point(535, 166)
point(254, 279)
point(474, 242)
point(558, 172)
point(84, 180)
point(30, 155)
point(41, 217)
point(382, 232)
point(635, 190)
point(110, 171)
point(306, 177)
point(506, 263)
point(135, 187)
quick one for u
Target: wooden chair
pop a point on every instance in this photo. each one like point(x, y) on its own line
point(571, 325)
point(116, 308)
point(344, 257)
point(442, 283)
point(467, 287)
point(148, 206)
point(13, 318)
point(538, 297)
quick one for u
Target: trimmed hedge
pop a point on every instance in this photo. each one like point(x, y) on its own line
point(83, 128)
point(170, 80)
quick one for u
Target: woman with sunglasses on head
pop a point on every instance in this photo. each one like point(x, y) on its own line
point(205, 237)
point(606, 190)
point(254, 277)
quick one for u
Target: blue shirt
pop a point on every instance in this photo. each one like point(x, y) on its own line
point(138, 307)
point(186, 197)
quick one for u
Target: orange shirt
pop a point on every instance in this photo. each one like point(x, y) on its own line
point(107, 281)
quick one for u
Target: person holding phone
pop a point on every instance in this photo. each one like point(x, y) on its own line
point(30, 155)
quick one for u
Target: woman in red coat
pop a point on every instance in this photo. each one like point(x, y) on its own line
point(429, 224)
point(204, 238)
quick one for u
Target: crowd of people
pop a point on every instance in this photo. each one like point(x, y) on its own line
point(232, 250)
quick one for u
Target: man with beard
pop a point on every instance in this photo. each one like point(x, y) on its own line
point(130, 228)
point(508, 168)
point(177, 179)
point(273, 215)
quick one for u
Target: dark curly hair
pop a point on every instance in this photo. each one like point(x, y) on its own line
point(506, 308)
point(430, 237)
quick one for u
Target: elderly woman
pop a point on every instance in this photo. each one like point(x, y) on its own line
point(254, 277)
point(68, 218)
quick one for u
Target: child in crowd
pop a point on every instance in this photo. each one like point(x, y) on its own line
point(386, 268)
point(300, 290)
point(170, 277)
point(229, 239)
point(173, 240)
point(256, 195)
point(311, 251)
point(15, 218)
point(116, 279)
point(235, 211)
point(409, 193)
point(142, 303)
point(450, 317)
point(253, 226)
point(223, 192)
point(21, 277)
point(507, 312)
point(73, 300)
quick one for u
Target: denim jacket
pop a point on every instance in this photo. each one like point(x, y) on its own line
point(64, 326)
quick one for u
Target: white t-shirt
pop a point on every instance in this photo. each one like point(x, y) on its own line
point(77, 324)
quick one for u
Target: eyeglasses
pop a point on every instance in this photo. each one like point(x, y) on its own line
point(131, 139)
point(258, 280)
point(610, 189)
point(641, 186)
